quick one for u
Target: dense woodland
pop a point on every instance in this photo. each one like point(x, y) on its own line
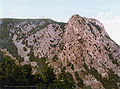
point(12, 76)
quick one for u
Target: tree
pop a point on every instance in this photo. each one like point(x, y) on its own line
point(12, 74)
point(17, 75)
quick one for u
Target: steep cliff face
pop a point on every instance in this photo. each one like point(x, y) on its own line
point(89, 54)
point(81, 48)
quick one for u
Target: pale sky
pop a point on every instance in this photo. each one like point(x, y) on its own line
point(106, 11)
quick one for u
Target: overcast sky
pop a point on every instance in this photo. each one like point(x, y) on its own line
point(107, 11)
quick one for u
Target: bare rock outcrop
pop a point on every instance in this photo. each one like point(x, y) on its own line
point(81, 48)
point(89, 52)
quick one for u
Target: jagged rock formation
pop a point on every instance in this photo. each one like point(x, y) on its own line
point(21, 37)
point(81, 47)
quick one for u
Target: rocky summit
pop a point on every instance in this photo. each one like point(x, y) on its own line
point(81, 48)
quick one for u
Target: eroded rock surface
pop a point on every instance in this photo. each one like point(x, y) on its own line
point(81, 48)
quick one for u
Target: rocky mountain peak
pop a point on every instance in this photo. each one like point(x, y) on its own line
point(76, 20)
point(89, 48)
point(81, 49)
